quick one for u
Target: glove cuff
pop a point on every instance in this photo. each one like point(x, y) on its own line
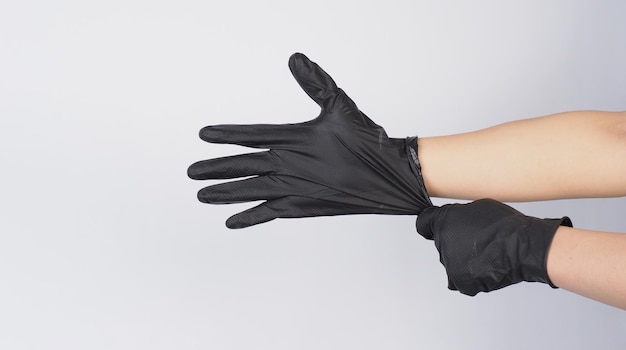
point(543, 233)
point(416, 167)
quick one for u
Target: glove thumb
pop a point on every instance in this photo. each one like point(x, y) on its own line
point(425, 222)
point(313, 80)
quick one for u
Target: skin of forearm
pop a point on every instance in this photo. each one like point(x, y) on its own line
point(589, 263)
point(566, 155)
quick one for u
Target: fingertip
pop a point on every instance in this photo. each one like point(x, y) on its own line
point(566, 221)
point(297, 58)
point(235, 223)
point(201, 196)
point(214, 195)
point(207, 133)
point(314, 80)
point(192, 172)
point(203, 132)
point(253, 216)
point(231, 226)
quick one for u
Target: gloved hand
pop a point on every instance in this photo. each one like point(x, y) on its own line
point(338, 163)
point(487, 245)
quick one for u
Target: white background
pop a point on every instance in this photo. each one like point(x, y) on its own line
point(103, 244)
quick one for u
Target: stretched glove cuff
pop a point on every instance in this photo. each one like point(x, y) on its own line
point(416, 167)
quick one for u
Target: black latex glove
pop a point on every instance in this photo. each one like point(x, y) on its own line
point(338, 163)
point(487, 245)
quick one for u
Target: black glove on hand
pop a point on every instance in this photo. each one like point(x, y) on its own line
point(487, 245)
point(338, 163)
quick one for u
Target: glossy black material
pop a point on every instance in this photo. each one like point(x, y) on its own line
point(338, 163)
point(487, 245)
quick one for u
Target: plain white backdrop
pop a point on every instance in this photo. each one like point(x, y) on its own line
point(103, 244)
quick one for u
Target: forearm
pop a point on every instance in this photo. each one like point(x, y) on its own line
point(590, 263)
point(565, 155)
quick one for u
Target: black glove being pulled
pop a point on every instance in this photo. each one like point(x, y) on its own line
point(338, 163)
point(487, 245)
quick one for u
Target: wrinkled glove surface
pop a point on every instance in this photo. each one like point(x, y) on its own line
point(338, 163)
point(487, 245)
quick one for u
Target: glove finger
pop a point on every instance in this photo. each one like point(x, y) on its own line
point(426, 222)
point(256, 135)
point(290, 207)
point(253, 189)
point(263, 212)
point(323, 90)
point(259, 163)
point(314, 80)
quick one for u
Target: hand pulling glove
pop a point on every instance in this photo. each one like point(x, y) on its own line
point(487, 245)
point(338, 163)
